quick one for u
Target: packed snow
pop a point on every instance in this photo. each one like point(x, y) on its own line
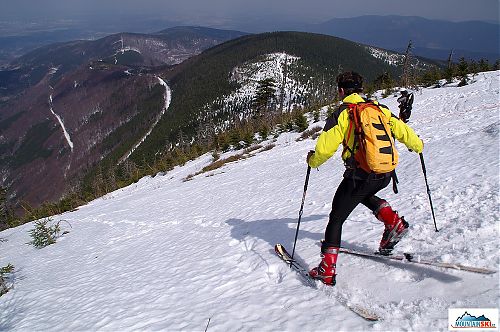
point(174, 255)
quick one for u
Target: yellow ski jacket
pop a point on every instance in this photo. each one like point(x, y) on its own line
point(337, 125)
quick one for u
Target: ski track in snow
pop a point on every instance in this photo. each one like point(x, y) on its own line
point(164, 254)
point(65, 132)
point(168, 98)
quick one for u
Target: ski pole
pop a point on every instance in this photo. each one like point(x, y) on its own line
point(428, 190)
point(301, 210)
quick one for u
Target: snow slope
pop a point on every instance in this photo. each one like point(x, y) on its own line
point(167, 254)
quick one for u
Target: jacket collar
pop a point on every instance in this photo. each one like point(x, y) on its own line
point(353, 99)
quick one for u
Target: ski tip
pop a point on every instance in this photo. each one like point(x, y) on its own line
point(280, 250)
point(408, 256)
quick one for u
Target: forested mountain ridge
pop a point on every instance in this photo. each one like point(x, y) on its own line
point(206, 86)
point(167, 47)
point(431, 38)
point(78, 125)
point(66, 106)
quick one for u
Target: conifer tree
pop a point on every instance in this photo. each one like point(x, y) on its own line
point(463, 71)
point(265, 94)
point(483, 65)
point(473, 68)
point(496, 66)
point(300, 121)
point(4, 212)
point(449, 72)
point(430, 77)
point(407, 79)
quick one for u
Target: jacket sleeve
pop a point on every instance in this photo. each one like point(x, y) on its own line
point(403, 133)
point(329, 140)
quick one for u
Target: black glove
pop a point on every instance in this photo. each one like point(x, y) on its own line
point(309, 155)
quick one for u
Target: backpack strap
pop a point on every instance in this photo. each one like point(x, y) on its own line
point(350, 163)
point(345, 142)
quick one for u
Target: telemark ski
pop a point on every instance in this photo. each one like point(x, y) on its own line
point(412, 258)
point(287, 258)
point(360, 311)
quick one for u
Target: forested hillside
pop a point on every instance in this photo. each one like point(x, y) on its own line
point(111, 123)
point(201, 81)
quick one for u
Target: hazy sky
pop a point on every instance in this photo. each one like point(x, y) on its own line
point(219, 12)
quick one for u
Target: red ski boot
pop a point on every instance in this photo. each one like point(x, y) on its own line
point(327, 267)
point(395, 228)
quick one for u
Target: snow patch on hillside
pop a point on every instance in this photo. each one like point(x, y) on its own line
point(275, 66)
point(53, 70)
point(167, 99)
point(60, 120)
point(272, 66)
point(393, 59)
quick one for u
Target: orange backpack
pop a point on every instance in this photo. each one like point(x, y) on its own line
point(376, 151)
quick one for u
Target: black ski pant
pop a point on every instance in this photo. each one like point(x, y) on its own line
point(404, 114)
point(349, 194)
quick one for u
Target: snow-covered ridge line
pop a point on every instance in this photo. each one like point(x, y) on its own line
point(167, 98)
point(65, 132)
point(392, 59)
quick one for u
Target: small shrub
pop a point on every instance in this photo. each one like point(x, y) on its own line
point(221, 162)
point(286, 125)
point(462, 83)
point(300, 121)
point(252, 148)
point(45, 233)
point(215, 155)
point(312, 133)
point(247, 138)
point(5, 276)
point(330, 110)
point(268, 147)
point(215, 165)
point(316, 115)
point(189, 177)
point(264, 131)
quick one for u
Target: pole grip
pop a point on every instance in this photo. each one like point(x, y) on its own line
point(421, 155)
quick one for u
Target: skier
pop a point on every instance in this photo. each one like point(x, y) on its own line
point(405, 105)
point(357, 186)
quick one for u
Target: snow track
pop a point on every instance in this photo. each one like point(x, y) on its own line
point(165, 254)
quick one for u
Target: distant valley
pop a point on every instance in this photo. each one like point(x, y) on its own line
point(433, 39)
point(102, 94)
